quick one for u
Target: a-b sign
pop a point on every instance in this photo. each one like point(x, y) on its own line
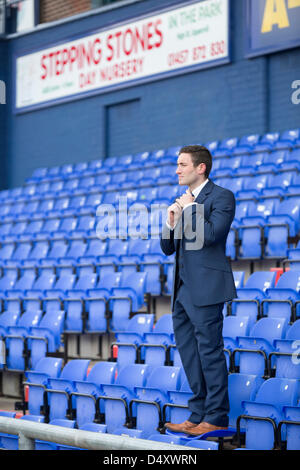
point(2, 92)
point(277, 14)
point(272, 25)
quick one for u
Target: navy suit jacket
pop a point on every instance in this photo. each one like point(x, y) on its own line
point(207, 269)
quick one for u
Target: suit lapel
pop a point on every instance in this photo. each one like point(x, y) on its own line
point(205, 192)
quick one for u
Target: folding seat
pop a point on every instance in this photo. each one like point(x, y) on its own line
point(243, 207)
point(15, 340)
point(250, 296)
point(146, 410)
point(280, 300)
point(85, 226)
point(128, 342)
point(287, 139)
point(153, 263)
point(127, 298)
point(7, 319)
point(293, 256)
point(76, 249)
point(86, 182)
point(156, 348)
point(167, 193)
point(23, 283)
point(147, 194)
point(38, 252)
point(284, 362)
point(42, 187)
point(283, 224)
point(88, 390)
point(58, 401)
point(282, 180)
point(136, 248)
point(102, 180)
point(234, 184)
point(46, 337)
point(31, 230)
point(93, 200)
point(67, 226)
point(49, 227)
point(266, 143)
point(293, 156)
point(111, 197)
point(113, 404)
point(290, 423)
point(96, 302)
point(4, 211)
point(5, 229)
point(58, 249)
point(233, 326)
point(71, 183)
point(152, 173)
point(253, 350)
point(246, 144)
point(75, 202)
point(20, 253)
point(19, 227)
point(241, 387)
point(73, 302)
point(95, 250)
point(8, 279)
point(139, 160)
point(263, 415)
point(239, 279)
point(115, 249)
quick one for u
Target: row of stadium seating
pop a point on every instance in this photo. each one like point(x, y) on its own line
point(259, 326)
point(138, 399)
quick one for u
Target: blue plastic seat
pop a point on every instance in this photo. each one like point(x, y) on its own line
point(46, 337)
point(234, 326)
point(284, 360)
point(155, 346)
point(253, 350)
point(147, 408)
point(117, 396)
point(282, 298)
point(290, 423)
point(127, 298)
point(37, 380)
point(281, 225)
point(128, 341)
point(96, 302)
point(88, 390)
point(58, 399)
point(250, 296)
point(273, 394)
point(15, 340)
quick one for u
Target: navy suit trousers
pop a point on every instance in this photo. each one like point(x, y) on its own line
point(198, 336)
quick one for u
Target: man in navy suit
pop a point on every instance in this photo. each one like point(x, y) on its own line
point(197, 227)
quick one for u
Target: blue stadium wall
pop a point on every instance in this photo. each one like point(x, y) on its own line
point(243, 97)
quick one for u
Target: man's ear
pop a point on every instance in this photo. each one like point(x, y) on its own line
point(201, 169)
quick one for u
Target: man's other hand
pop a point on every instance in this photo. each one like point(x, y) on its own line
point(174, 213)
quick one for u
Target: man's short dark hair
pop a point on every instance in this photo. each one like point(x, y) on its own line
point(199, 155)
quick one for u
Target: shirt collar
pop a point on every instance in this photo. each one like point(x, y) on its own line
point(197, 190)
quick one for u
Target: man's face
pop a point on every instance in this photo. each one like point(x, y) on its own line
point(188, 174)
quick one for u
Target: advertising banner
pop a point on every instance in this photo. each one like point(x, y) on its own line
point(150, 48)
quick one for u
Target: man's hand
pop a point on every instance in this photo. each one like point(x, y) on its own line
point(174, 213)
point(185, 199)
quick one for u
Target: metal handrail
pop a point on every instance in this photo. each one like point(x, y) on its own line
point(28, 431)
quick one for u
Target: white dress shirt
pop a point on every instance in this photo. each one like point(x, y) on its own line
point(195, 193)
